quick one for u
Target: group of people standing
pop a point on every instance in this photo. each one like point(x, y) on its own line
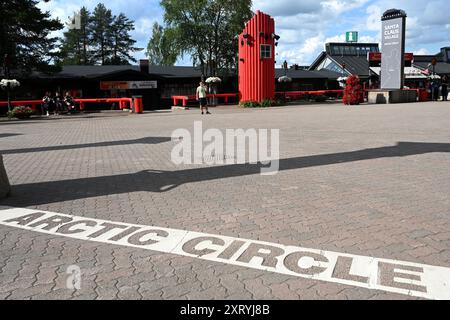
point(55, 104)
point(435, 85)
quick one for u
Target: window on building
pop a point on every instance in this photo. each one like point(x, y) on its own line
point(329, 64)
point(448, 54)
point(266, 51)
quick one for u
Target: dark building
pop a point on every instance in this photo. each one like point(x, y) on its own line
point(442, 67)
point(346, 59)
point(352, 59)
point(156, 84)
point(305, 80)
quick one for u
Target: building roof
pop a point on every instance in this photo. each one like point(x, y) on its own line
point(307, 74)
point(352, 55)
point(442, 58)
point(176, 71)
point(356, 65)
point(439, 68)
point(168, 72)
point(86, 71)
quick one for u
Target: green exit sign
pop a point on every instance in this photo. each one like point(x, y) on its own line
point(351, 36)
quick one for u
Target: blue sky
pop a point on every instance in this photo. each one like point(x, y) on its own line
point(304, 25)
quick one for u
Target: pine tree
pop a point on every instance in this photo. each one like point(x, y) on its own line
point(76, 43)
point(24, 35)
point(122, 41)
point(102, 35)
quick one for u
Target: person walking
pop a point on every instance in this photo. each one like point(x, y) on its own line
point(434, 90)
point(202, 97)
point(444, 88)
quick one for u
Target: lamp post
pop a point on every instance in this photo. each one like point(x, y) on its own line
point(433, 82)
point(285, 67)
point(6, 65)
point(433, 63)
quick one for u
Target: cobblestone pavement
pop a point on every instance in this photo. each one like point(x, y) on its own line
point(341, 188)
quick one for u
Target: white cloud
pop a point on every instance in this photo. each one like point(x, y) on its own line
point(144, 26)
point(422, 51)
point(304, 25)
point(301, 53)
point(338, 38)
point(340, 6)
point(373, 19)
point(287, 8)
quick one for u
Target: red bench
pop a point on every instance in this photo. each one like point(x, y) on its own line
point(123, 102)
point(185, 99)
point(313, 92)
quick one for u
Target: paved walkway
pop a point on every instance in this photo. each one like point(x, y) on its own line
point(370, 181)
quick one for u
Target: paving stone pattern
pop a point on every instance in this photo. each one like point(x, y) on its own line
point(343, 186)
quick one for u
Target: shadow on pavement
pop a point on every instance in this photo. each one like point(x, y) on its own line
point(7, 135)
point(148, 140)
point(52, 118)
point(163, 181)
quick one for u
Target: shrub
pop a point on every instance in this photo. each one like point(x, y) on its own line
point(21, 112)
point(250, 104)
point(353, 93)
point(266, 103)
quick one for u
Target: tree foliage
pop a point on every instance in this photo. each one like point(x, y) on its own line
point(103, 39)
point(76, 43)
point(123, 44)
point(25, 35)
point(207, 30)
point(161, 50)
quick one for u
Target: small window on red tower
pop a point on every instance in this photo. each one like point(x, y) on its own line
point(266, 51)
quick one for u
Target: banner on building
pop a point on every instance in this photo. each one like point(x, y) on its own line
point(128, 85)
point(374, 59)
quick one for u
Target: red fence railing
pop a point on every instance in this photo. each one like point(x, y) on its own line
point(124, 103)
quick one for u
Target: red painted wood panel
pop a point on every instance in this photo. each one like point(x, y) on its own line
point(257, 75)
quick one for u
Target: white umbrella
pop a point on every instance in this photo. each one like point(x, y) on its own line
point(342, 81)
point(284, 79)
point(213, 80)
point(12, 83)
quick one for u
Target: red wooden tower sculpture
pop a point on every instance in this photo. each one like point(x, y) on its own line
point(257, 59)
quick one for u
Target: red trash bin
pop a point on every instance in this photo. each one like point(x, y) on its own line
point(423, 95)
point(138, 104)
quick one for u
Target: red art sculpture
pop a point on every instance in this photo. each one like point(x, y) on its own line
point(257, 59)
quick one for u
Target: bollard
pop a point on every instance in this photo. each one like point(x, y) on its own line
point(5, 187)
point(138, 105)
